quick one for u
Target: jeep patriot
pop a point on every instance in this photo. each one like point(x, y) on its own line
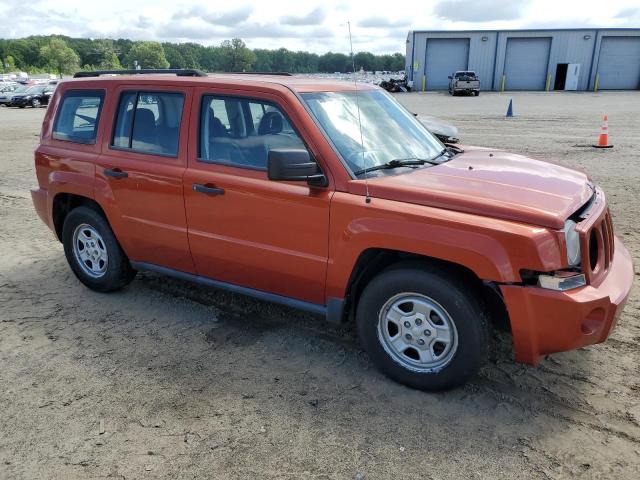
point(335, 200)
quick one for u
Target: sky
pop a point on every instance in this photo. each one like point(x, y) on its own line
point(379, 26)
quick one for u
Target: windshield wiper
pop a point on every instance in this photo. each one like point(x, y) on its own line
point(442, 152)
point(397, 163)
point(452, 150)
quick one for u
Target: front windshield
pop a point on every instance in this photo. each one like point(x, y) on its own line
point(389, 132)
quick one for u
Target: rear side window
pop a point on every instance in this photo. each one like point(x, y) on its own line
point(149, 122)
point(78, 116)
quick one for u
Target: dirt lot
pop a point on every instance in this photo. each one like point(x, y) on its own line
point(167, 379)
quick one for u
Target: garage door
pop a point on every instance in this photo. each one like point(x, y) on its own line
point(619, 63)
point(445, 56)
point(526, 62)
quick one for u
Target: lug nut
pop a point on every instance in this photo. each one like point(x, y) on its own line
point(408, 336)
point(407, 324)
point(427, 333)
point(420, 341)
point(418, 322)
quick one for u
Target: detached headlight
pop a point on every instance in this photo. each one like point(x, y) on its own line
point(573, 243)
point(563, 280)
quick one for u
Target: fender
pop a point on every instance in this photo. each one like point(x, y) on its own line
point(61, 174)
point(78, 183)
point(495, 250)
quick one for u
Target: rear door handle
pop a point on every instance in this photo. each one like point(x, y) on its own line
point(115, 173)
point(198, 187)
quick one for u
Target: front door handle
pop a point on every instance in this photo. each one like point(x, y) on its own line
point(209, 190)
point(115, 173)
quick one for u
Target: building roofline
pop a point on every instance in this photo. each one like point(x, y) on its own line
point(597, 29)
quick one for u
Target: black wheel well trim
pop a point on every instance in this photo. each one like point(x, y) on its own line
point(64, 202)
point(373, 261)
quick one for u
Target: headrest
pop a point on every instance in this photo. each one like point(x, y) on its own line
point(216, 128)
point(145, 116)
point(271, 122)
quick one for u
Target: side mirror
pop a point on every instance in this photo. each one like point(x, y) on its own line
point(450, 77)
point(287, 164)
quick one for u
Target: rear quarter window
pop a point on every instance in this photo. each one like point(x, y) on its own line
point(78, 116)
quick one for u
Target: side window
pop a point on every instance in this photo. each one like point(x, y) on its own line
point(218, 106)
point(149, 122)
point(240, 132)
point(78, 116)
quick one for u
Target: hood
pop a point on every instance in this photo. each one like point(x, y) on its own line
point(492, 183)
point(438, 127)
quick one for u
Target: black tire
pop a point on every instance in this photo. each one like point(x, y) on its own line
point(455, 295)
point(477, 93)
point(118, 271)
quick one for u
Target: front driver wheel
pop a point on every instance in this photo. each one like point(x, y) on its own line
point(424, 327)
point(93, 253)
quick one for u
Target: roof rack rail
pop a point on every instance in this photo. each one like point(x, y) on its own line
point(177, 71)
point(281, 74)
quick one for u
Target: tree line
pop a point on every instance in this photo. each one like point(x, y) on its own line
point(66, 55)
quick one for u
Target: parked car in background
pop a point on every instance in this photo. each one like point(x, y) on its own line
point(464, 82)
point(8, 86)
point(267, 186)
point(445, 132)
point(14, 77)
point(7, 96)
point(34, 96)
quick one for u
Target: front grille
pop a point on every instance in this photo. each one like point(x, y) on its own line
point(597, 241)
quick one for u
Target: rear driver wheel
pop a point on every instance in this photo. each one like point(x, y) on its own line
point(423, 327)
point(93, 253)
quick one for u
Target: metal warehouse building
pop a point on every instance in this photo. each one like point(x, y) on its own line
point(570, 59)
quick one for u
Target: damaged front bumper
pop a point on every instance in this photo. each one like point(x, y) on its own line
point(546, 321)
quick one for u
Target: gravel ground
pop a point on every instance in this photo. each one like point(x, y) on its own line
point(167, 379)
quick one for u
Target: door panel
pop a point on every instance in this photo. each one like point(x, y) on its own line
point(266, 235)
point(147, 196)
point(573, 76)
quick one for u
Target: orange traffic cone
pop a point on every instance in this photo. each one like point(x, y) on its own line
point(603, 140)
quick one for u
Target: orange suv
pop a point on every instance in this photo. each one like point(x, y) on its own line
point(331, 199)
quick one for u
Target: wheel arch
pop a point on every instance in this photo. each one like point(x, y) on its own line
point(64, 202)
point(373, 261)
